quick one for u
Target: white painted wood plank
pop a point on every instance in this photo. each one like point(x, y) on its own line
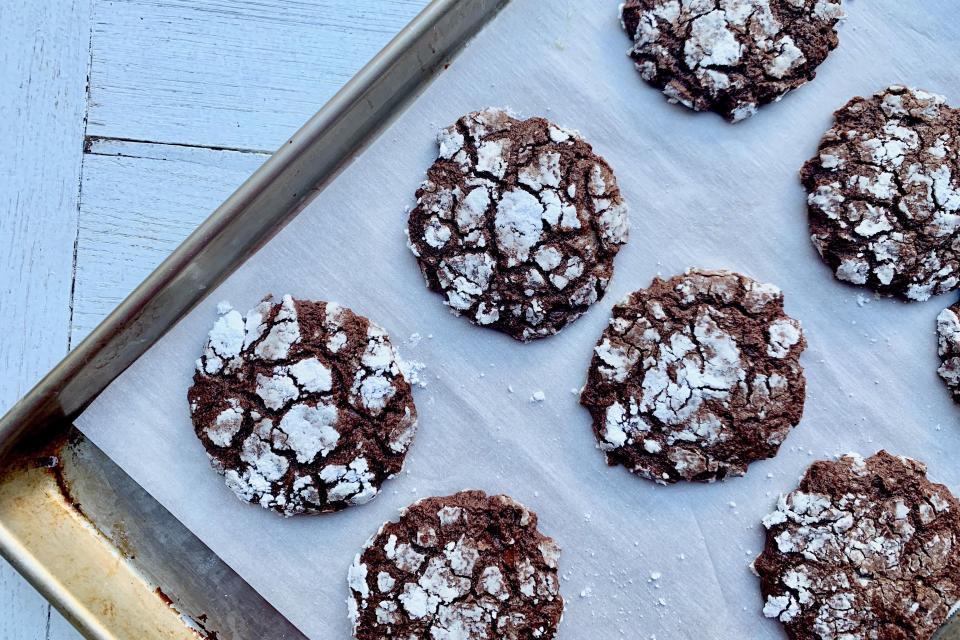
point(44, 54)
point(59, 629)
point(23, 612)
point(232, 73)
point(228, 73)
point(139, 202)
point(43, 59)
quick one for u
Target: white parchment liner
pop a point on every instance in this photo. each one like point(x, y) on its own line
point(702, 193)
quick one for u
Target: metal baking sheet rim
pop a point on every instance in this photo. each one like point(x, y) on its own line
point(50, 541)
point(40, 526)
point(59, 548)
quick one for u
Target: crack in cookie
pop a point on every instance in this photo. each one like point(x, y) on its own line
point(696, 377)
point(462, 567)
point(729, 56)
point(883, 196)
point(862, 550)
point(517, 223)
point(302, 406)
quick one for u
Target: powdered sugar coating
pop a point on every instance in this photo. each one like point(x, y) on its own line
point(884, 196)
point(862, 550)
point(948, 338)
point(729, 56)
point(696, 377)
point(517, 223)
point(462, 567)
point(302, 406)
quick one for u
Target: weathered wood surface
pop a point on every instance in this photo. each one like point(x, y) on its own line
point(44, 54)
point(139, 201)
point(189, 96)
point(185, 99)
point(242, 74)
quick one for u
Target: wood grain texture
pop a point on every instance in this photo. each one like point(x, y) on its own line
point(228, 73)
point(216, 78)
point(139, 202)
point(44, 55)
point(44, 60)
point(23, 612)
point(59, 629)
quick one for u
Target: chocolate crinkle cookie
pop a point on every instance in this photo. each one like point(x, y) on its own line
point(462, 567)
point(302, 406)
point(696, 377)
point(948, 334)
point(517, 223)
point(862, 550)
point(883, 194)
point(729, 56)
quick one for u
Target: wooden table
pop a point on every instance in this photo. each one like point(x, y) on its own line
point(124, 123)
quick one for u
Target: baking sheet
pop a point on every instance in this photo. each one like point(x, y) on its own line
point(702, 193)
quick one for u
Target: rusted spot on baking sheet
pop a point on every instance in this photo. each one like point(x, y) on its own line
point(50, 454)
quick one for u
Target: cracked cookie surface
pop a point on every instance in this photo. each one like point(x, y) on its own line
point(462, 567)
point(729, 56)
point(862, 550)
point(883, 194)
point(948, 337)
point(302, 406)
point(517, 223)
point(696, 377)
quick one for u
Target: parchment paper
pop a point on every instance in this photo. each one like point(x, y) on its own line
point(702, 193)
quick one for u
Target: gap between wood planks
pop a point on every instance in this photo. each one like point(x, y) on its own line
point(91, 215)
point(140, 200)
point(46, 59)
point(106, 145)
point(76, 237)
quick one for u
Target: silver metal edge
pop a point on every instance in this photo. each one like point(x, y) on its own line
point(256, 211)
point(145, 532)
